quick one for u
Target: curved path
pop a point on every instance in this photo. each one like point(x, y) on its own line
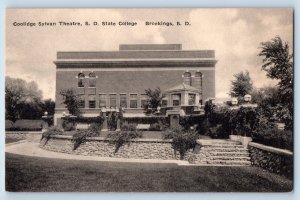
point(31, 148)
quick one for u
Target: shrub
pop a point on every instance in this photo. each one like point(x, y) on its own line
point(53, 130)
point(68, 125)
point(155, 127)
point(95, 128)
point(128, 127)
point(119, 138)
point(183, 140)
point(8, 125)
point(27, 125)
point(276, 138)
point(79, 137)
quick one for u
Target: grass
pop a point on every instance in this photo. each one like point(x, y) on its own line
point(12, 140)
point(43, 174)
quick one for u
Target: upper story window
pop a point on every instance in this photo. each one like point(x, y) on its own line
point(133, 101)
point(144, 100)
point(92, 79)
point(102, 100)
point(113, 100)
point(81, 102)
point(92, 101)
point(187, 78)
point(123, 100)
point(81, 77)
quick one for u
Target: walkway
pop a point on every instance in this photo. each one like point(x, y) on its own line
point(31, 148)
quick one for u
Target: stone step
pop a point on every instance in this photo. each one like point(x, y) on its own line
point(228, 163)
point(226, 146)
point(218, 149)
point(235, 158)
point(220, 153)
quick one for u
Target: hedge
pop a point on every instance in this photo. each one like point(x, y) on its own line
point(25, 125)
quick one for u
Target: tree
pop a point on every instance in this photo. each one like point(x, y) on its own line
point(22, 99)
point(154, 99)
point(72, 101)
point(49, 106)
point(242, 85)
point(278, 63)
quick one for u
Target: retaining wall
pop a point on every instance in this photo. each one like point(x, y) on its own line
point(272, 159)
point(99, 146)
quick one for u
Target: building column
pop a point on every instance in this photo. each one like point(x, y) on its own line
point(185, 98)
point(197, 99)
point(104, 125)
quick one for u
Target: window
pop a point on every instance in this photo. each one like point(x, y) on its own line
point(81, 103)
point(92, 102)
point(80, 80)
point(113, 100)
point(176, 99)
point(92, 79)
point(133, 101)
point(123, 100)
point(102, 100)
point(192, 99)
point(144, 100)
point(164, 102)
point(187, 78)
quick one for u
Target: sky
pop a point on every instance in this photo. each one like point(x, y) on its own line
point(234, 34)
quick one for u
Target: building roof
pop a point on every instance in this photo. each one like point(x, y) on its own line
point(147, 47)
point(182, 87)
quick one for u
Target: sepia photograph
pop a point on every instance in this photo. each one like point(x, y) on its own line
point(149, 100)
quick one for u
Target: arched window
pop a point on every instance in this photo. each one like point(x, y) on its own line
point(92, 79)
point(187, 78)
point(80, 79)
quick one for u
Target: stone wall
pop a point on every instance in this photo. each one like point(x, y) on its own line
point(99, 146)
point(272, 159)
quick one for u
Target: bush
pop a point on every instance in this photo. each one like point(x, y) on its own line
point(155, 127)
point(27, 125)
point(276, 138)
point(8, 125)
point(68, 125)
point(183, 140)
point(95, 128)
point(79, 137)
point(53, 130)
point(120, 138)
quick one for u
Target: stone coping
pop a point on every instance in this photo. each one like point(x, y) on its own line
point(271, 149)
point(23, 132)
point(68, 137)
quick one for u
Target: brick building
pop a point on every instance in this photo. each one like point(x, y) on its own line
point(114, 79)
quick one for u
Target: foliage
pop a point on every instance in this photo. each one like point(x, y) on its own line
point(155, 127)
point(26, 125)
point(72, 101)
point(276, 138)
point(241, 86)
point(49, 106)
point(112, 121)
point(243, 121)
point(119, 138)
point(154, 99)
point(8, 124)
point(68, 125)
point(182, 140)
point(88, 120)
point(80, 136)
point(22, 99)
point(278, 63)
point(54, 130)
point(95, 128)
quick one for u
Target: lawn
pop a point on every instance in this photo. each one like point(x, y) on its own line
point(12, 140)
point(43, 174)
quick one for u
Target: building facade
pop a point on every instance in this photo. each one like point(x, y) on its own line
point(115, 79)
